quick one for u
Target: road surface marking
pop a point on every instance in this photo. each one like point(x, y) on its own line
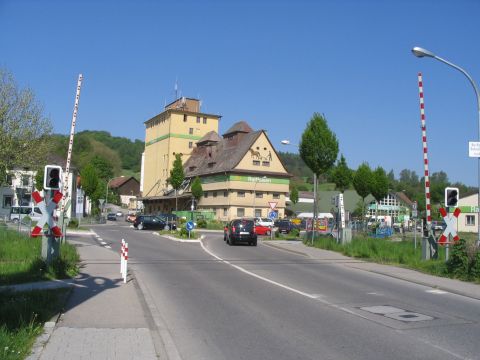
point(436, 291)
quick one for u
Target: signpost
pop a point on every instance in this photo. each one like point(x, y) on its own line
point(474, 149)
point(450, 230)
point(189, 226)
point(50, 244)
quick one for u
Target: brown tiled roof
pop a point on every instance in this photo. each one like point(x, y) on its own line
point(209, 137)
point(404, 198)
point(222, 157)
point(119, 181)
point(239, 127)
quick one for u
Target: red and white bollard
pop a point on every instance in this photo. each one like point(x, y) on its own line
point(124, 260)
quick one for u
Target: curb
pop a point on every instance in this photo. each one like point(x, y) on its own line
point(42, 340)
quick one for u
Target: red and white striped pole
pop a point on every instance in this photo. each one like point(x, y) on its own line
point(125, 270)
point(428, 206)
point(121, 256)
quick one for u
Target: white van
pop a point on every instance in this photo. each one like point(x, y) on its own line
point(19, 212)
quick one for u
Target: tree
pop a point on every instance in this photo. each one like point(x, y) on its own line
point(24, 131)
point(362, 183)
point(342, 175)
point(318, 147)
point(177, 176)
point(379, 185)
point(90, 183)
point(103, 167)
point(197, 190)
point(294, 195)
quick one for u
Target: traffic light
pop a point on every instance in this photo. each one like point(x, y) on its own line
point(451, 197)
point(52, 179)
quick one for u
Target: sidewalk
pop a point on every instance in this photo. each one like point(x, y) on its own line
point(104, 318)
point(454, 286)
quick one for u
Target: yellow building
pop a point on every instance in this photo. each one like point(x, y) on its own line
point(171, 132)
point(241, 173)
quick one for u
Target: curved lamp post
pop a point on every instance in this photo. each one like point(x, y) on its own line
point(420, 52)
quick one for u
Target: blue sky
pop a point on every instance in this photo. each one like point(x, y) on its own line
point(271, 63)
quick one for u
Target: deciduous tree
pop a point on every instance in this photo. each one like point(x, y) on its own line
point(24, 130)
point(177, 176)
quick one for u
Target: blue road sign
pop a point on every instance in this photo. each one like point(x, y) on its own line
point(189, 225)
point(272, 214)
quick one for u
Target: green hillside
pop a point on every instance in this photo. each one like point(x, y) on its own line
point(122, 154)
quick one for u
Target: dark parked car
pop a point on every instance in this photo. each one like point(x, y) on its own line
point(240, 230)
point(285, 226)
point(151, 222)
point(112, 217)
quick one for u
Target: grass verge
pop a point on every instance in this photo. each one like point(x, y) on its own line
point(22, 316)
point(21, 261)
point(385, 251)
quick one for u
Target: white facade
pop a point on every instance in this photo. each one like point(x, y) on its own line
point(468, 219)
point(19, 188)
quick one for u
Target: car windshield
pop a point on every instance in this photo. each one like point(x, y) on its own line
point(266, 220)
point(243, 225)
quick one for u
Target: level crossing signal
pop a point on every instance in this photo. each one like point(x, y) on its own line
point(451, 196)
point(52, 178)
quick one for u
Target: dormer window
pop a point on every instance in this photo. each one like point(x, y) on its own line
point(192, 168)
point(211, 164)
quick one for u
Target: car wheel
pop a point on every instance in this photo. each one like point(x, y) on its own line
point(166, 228)
point(254, 243)
point(140, 226)
point(268, 233)
point(15, 221)
point(232, 242)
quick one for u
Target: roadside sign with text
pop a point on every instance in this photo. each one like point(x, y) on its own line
point(474, 149)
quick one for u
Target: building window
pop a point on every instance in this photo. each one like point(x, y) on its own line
point(211, 164)
point(240, 212)
point(190, 131)
point(225, 194)
point(259, 195)
point(225, 212)
point(185, 118)
point(256, 162)
point(205, 194)
point(9, 179)
point(190, 144)
point(25, 180)
point(192, 168)
point(198, 119)
point(276, 195)
point(204, 120)
point(265, 163)
point(258, 212)
point(214, 194)
point(240, 193)
point(470, 220)
point(7, 201)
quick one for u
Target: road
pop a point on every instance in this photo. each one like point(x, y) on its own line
point(214, 301)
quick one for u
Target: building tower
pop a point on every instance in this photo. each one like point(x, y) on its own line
point(174, 131)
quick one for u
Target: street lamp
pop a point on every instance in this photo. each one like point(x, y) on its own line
point(420, 52)
point(106, 197)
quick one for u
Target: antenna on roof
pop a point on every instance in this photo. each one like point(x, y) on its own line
point(176, 89)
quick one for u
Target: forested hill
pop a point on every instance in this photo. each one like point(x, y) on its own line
point(123, 154)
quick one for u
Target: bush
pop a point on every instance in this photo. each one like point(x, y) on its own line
point(295, 232)
point(202, 224)
point(73, 223)
point(458, 263)
point(475, 266)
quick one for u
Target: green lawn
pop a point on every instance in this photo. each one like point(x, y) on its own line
point(21, 262)
point(22, 314)
point(386, 251)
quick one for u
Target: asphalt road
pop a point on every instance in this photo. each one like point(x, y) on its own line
point(214, 301)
